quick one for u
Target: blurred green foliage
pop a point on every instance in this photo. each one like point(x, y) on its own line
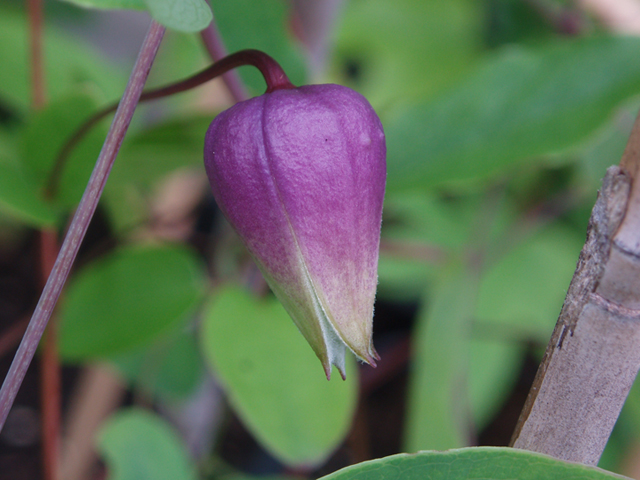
point(498, 128)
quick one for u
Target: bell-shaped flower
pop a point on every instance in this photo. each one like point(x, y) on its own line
point(300, 175)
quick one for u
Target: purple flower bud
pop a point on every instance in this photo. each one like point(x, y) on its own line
point(300, 175)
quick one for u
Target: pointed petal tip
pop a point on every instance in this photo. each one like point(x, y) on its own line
point(327, 370)
point(375, 354)
point(372, 357)
point(372, 361)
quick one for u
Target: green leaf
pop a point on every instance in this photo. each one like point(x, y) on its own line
point(517, 23)
point(138, 445)
point(170, 368)
point(147, 157)
point(522, 294)
point(426, 218)
point(606, 148)
point(181, 15)
point(273, 379)
point(519, 300)
point(494, 366)
point(46, 133)
point(477, 463)
point(419, 231)
point(151, 154)
point(632, 405)
point(19, 196)
point(437, 398)
point(521, 104)
point(127, 298)
point(110, 4)
point(262, 25)
point(383, 51)
point(402, 279)
point(70, 66)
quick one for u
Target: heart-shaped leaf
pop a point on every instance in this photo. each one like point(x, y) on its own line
point(128, 298)
point(274, 380)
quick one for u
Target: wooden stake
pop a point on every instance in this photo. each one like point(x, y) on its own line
point(594, 353)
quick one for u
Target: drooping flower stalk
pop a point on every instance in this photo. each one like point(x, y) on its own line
point(272, 72)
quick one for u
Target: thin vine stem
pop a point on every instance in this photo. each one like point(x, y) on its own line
point(274, 76)
point(80, 221)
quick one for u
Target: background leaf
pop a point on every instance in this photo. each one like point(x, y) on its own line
point(155, 152)
point(110, 4)
point(519, 300)
point(170, 368)
point(147, 157)
point(478, 463)
point(494, 366)
point(46, 133)
point(262, 25)
point(128, 298)
point(181, 15)
point(437, 408)
point(525, 289)
point(383, 49)
point(274, 380)
point(19, 196)
point(523, 103)
point(138, 445)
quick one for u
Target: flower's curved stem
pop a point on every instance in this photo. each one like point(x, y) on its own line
point(80, 221)
point(272, 72)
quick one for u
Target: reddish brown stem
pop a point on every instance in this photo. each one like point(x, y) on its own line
point(50, 384)
point(38, 91)
point(50, 374)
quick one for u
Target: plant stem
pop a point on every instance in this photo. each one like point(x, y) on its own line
point(50, 374)
point(38, 92)
point(80, 221)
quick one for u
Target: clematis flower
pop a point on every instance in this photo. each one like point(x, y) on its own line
point(300, 175)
